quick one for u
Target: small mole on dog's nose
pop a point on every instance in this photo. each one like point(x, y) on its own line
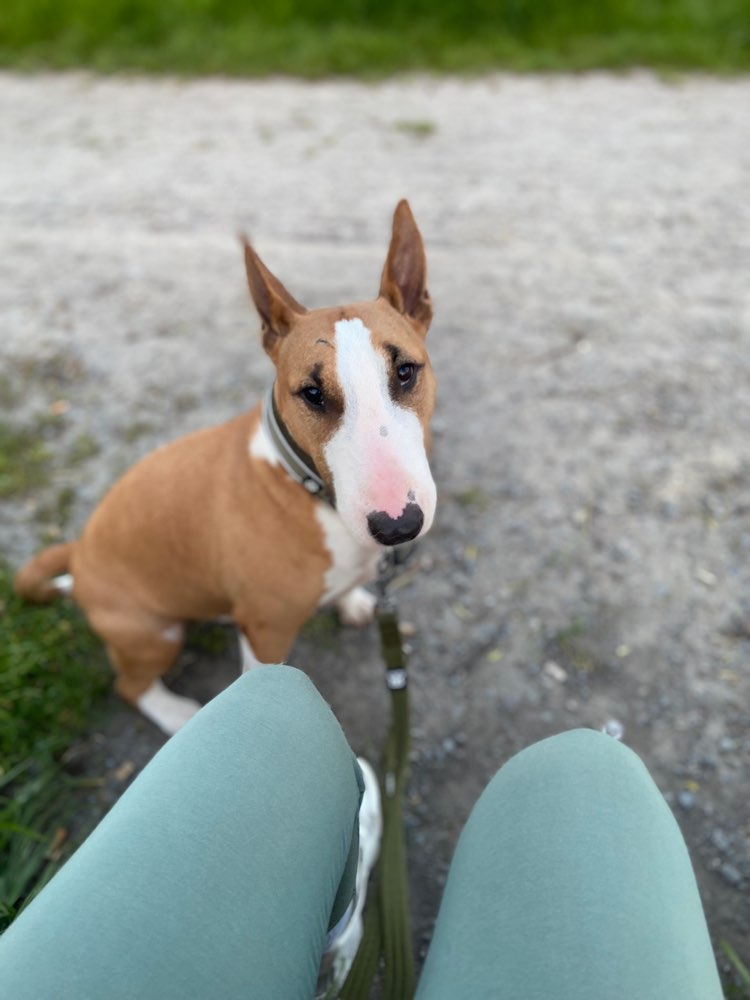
point(384, 431)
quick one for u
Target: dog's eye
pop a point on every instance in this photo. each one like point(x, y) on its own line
point(313, 395)
point(406, 374)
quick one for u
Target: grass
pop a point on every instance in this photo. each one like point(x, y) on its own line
point(24, 459)
point(51, 675)
point(742, 973)
point(314, 38)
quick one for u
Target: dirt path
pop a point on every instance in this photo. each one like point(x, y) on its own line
point(589, 242)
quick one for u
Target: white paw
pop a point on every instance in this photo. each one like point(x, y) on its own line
point(356, 607)
point(169, 711)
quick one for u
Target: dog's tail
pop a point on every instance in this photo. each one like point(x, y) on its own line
point(46, 575)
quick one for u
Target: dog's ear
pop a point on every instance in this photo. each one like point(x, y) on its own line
point(276, 307)
point(404, 279)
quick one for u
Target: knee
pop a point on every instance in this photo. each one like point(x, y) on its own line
point(276, 706)
point(575, 773)
point(575, 752)
point(278, 677)
point(281, 696)
point(581, 756)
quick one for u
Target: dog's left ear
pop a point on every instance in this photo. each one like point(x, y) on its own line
point(276, 307)
point(404, 279)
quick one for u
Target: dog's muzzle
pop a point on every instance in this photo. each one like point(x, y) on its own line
point(395, 531)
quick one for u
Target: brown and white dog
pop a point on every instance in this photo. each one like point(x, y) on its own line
point(224, 521)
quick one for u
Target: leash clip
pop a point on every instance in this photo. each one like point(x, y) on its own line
point(396, 679)
point(391, 564)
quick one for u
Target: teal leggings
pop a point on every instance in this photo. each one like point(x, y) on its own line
point(220, 870)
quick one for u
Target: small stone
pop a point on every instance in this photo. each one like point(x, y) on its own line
point(720, 840)
point(555, 671)
point(685, 799)
point(124, 771)
point(614, 728)
point(730, 874)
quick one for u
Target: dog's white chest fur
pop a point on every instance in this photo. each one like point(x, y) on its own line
point(351, 562)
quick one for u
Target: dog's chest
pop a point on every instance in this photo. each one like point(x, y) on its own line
point(351, 563)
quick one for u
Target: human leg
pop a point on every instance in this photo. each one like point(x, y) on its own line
point(219, 871)
point(571, 881)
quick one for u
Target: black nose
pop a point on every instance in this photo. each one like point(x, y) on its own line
point(393, 531)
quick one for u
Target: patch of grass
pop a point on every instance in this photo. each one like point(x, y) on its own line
point(56, 370)
point(574, 647)
point(24, 460)
point(83, 448)
point(33, 833)
point(209, 637)
point(313, 38)
point(474, 498)
point(10, 393)
point(322, 629)
point(416, 129)
point(51, 675)
point(741, 971)
point(136, 430)
point(56, 514)
point(25, 456)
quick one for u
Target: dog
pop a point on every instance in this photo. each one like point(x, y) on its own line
point(272, 514)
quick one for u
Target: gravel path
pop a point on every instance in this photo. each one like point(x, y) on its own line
point(589, 242)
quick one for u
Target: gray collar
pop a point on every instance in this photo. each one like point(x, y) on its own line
point(295, 461)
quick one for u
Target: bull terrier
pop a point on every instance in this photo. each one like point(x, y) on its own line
point(278, 511)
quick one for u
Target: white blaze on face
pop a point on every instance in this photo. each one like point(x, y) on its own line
point(377, 456)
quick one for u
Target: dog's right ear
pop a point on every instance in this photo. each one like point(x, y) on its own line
point(276, 307)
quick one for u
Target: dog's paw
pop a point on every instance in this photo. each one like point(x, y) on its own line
point(169, 711)
point(357, 607)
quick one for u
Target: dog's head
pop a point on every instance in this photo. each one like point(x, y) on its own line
point(355, 389)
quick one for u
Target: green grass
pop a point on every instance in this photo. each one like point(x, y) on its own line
point(741, 972)
point(51, 675)
point(51, 670)
point(313, 38)
point(24, 460)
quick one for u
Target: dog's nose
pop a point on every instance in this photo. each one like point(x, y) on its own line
point(393, 531)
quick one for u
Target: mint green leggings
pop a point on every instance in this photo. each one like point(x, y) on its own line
point(219, 871)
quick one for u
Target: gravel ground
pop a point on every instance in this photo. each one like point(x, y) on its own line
point(588, 240)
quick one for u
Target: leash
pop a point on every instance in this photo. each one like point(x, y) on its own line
point(387, 926)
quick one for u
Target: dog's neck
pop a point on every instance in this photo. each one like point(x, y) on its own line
point(295, 462)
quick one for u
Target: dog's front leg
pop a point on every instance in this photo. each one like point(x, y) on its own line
point(260, 645)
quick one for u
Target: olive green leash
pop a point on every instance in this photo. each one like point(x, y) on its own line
point(387, 926)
